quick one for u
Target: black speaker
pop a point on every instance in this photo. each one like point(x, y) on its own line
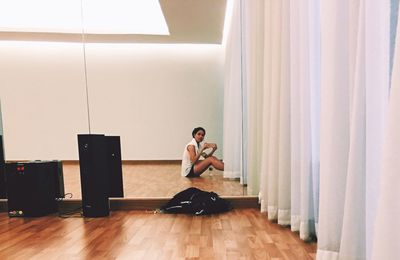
point(93, 162)
point(114, 167)
point(3, 193)
point(31, 188)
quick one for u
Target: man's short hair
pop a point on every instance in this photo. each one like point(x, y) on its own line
point(194, 132)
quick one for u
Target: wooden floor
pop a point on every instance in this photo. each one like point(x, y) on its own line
point(157, 180)
point(238, 234)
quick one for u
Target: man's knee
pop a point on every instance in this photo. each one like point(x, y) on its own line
point(210, 159)
point(214, 159)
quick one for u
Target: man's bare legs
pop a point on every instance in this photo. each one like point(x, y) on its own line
point(203, 165)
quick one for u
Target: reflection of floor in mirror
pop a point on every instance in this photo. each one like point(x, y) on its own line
point(148, 179)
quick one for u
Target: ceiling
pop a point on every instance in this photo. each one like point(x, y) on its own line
point(189, 21)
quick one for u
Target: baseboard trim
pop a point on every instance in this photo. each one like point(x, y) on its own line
point(145, 203)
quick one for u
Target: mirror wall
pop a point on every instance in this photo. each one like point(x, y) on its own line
point(150, 95)
point(150, 91)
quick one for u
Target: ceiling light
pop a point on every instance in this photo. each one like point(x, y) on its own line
point(124, 16)
point(99, 16)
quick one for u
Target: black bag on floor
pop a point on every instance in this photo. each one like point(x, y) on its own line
point(197, 202)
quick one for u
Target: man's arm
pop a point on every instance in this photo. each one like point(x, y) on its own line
point(192, 153)
point(214, 148)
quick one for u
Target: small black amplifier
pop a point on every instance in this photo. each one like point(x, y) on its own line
point(33, 187)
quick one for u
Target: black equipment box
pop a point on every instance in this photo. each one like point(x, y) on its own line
point(33, 187)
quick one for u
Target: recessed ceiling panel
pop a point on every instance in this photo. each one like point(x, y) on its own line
point(186, 21)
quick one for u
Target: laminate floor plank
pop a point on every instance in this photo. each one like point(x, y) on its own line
point(238, 234)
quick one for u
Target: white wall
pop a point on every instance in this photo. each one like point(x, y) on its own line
point(43, 104)
point(152, 95)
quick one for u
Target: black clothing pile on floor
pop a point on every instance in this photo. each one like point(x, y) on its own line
point(197, 202)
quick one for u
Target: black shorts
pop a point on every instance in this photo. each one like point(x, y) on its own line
point(191, 173)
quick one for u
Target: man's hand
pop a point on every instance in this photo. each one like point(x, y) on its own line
point(211, 145)
point(204, 154)
point(207, 145)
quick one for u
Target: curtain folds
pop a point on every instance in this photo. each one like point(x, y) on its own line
point(252, 50)
point(272, 168)
point(280, 152)
point(352, 244)
point(386, 231)
point(233, 105)
point(360, 69)
point(320, 127)
point(243, 95)
point(305, 98)
point(377, 97)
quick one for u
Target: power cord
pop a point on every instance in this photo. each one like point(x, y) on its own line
point(74, 213)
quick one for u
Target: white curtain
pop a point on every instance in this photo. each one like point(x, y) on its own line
point(325, 143)
point(275, 189)
point(386, 242)
point(290, 158)
point(252, 51)
point(352, 244)
point(279, 151)
point(243, 94)
point(305, 103)
point(377, 81)
point(353, 86)
point(233, 140)
point(336, 88)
